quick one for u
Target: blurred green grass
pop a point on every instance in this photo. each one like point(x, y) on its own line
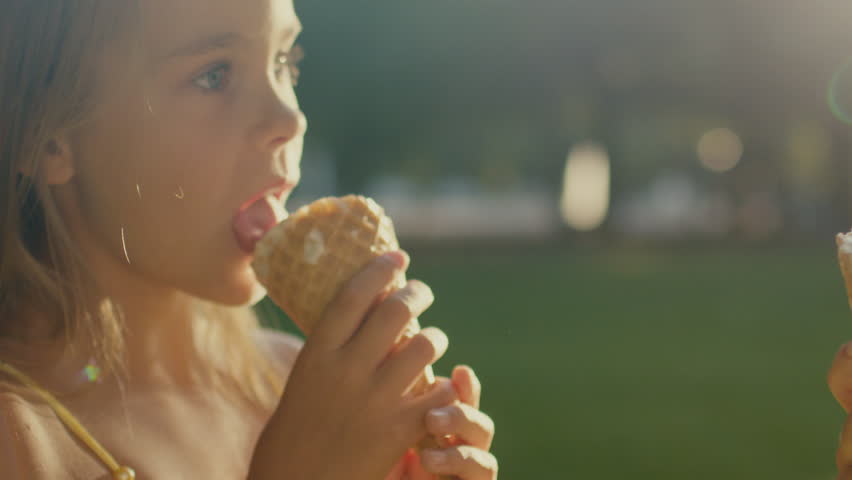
point(646, 365)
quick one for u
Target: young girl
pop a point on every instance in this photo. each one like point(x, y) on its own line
point(145, 146)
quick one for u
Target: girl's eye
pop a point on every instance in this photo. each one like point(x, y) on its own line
point(289, 61)
point(215, 79)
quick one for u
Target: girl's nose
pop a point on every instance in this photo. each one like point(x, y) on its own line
point(282, 122)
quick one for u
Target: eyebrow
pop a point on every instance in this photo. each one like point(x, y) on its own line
point(219, 41)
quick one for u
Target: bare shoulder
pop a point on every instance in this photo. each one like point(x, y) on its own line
point(282, 348)
point(25, 446)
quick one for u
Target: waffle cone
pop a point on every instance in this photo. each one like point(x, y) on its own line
point(844, 258)
point(305, 260)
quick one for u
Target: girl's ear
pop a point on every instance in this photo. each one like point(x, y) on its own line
point(57, 164)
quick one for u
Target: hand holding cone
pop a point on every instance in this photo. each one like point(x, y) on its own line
point(304, 261)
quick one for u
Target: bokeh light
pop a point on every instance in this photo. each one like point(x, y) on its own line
point(586, 187)
point(720, 150)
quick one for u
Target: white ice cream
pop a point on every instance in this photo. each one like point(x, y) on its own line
point(846, 243)
point(314, 246)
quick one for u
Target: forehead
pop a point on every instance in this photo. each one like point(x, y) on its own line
point(170, 24)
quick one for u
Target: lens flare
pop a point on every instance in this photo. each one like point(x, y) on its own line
point(91, 372)
point(840, 92)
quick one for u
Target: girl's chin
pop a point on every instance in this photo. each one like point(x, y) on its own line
point(258, 293)
point(240, 296)
point(240, 290)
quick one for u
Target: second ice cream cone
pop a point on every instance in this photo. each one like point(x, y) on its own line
point(844, 258)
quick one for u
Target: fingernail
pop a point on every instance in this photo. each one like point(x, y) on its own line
point(422, 288)
point(397, 258)
point(421, 293)
point(440, 417)
point(848, 350)
point(440, 340)
point(435, 458)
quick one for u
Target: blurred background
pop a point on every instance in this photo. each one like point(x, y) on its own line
point(625, 208)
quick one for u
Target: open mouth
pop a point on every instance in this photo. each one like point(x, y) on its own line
point(258, 215)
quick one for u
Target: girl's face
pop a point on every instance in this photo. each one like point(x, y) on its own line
point(207, 122)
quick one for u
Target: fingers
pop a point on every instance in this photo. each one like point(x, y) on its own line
point(465, 462)
point(384, 326)
point(440, 395)
point(346, 311)
point(467, 385)
point(405, 365)
point(840, 377)
point(471, 426)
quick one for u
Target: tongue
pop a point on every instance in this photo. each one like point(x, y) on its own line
point(251, 223)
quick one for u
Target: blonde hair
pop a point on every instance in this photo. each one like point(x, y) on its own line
point(48, 84)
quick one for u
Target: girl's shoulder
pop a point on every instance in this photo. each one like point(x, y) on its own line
point(26, 448)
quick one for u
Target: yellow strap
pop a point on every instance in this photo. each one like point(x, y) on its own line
point(118, 471)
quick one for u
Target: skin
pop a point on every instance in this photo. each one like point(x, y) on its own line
point(355, 405)
point(149, 190)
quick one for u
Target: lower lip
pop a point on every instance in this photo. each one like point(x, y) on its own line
point(250, 233)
